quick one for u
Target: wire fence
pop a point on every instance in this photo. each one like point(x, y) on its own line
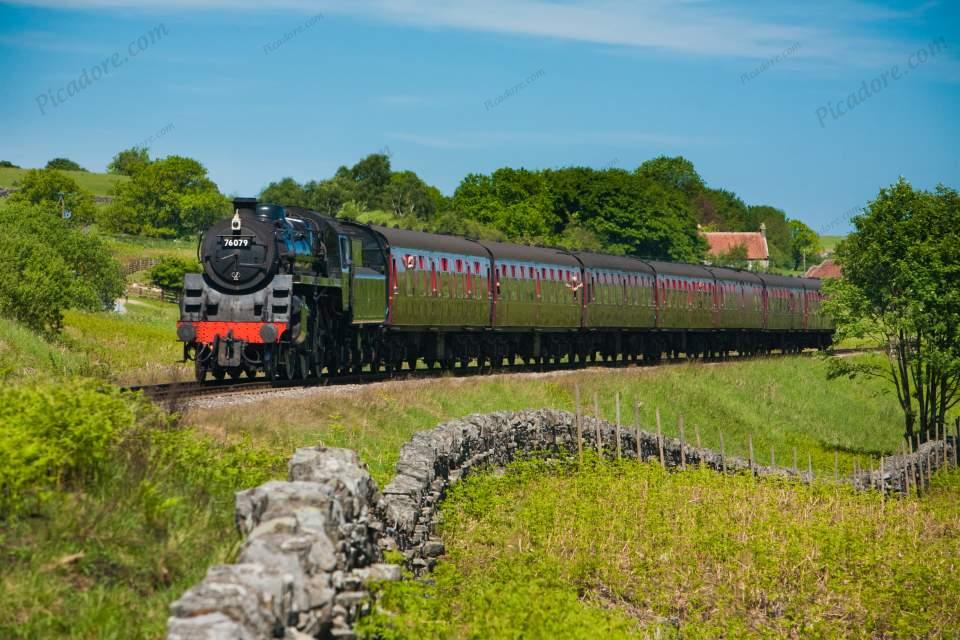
point(907, 472)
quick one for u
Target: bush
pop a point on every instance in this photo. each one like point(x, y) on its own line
point(6, 164)
point(43, 187)
point(55, 437)
point(64, 164)
point(168, 273)
point(47, 265)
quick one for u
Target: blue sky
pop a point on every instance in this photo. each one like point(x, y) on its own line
point(756, 95)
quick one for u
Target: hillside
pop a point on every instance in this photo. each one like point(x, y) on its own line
point(99, 184)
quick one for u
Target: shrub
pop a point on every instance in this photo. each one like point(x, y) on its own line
point(43, 187)
point(55, 437)
point(47, 265)
point(64, 164)
point(168, 273)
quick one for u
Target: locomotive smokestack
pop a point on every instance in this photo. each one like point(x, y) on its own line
point(245, 206)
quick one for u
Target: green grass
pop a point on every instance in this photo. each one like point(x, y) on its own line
point(137, 347)
point(105, 560)
point(151, 531)
point(782, 402)
point(628, 550)
point(829, 243)
point(126, 248)
point(26, 356)
point(100, 184)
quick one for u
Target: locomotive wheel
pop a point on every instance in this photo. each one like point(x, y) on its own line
point(219, 374)
point(291, 364)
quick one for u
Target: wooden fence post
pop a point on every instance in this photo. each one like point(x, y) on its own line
point(810, 467)
point(956, 444)
point(795, 469)
point(723, 455)
point(773, 457)
point(636, 428)
point(883, 489)
point(663, 463)
point(750, 444)
point(618, 424)
point(683, 452)
point(596, 423)
point(579, 419)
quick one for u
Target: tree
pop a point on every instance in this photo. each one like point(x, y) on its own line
point(6, 164)
point(408, 195)
point(48, 265)
point(901, 287)
point(735, 258)
point(371, 177)
point(129, 161)
point(804, 242)
point(674, 173)
point(168, 273)
point(64, 164)
point(286, 193)
point(168, 198)
point(43, 187)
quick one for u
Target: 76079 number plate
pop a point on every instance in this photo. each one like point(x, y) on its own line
point(236, 242)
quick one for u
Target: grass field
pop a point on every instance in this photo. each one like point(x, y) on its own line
point(127, 248)
point(137, 347)
point(99, 184)
point(630, 551)
point(149, 532)
point(781, 402)
point(829, 243)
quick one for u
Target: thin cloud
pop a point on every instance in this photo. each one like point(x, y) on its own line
point(835, 33)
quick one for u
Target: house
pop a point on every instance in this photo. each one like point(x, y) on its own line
point(826, 269)
point(755, 242)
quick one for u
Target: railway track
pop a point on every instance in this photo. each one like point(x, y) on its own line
point(187, 390)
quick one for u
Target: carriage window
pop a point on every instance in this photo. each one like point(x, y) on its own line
point(513, 271)
point(459, 265)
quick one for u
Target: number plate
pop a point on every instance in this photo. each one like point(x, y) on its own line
point(236, 242)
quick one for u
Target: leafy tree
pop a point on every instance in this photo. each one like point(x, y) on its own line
point(168, 273)
point(778, 233)
point(48, 265)
point(287, 192)
point(901, 287)
point(168, 198)
point(735, 258)
point(329, 196)
point(129, 161)
point(804, 243)
point(371, 177)
point(43, 187)
point(723, 210)
point(408, 195)
point(674, 173)
point(64, 164)
point(8, 165)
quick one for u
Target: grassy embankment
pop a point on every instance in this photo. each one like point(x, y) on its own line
point(104, 559)
point(629, 551)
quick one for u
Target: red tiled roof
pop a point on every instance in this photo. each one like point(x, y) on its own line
point(723, 241)
point(826, 269)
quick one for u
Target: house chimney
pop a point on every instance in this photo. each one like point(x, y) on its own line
point(763, 229)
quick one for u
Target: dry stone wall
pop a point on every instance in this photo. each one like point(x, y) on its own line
point(314, 542)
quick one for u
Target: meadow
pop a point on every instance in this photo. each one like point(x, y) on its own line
point(104, 558)
point(99, 184)
point(627, 550)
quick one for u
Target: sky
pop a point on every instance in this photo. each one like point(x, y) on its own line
point(810, 107)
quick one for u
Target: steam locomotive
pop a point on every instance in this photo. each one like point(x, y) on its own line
point(294, 294)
